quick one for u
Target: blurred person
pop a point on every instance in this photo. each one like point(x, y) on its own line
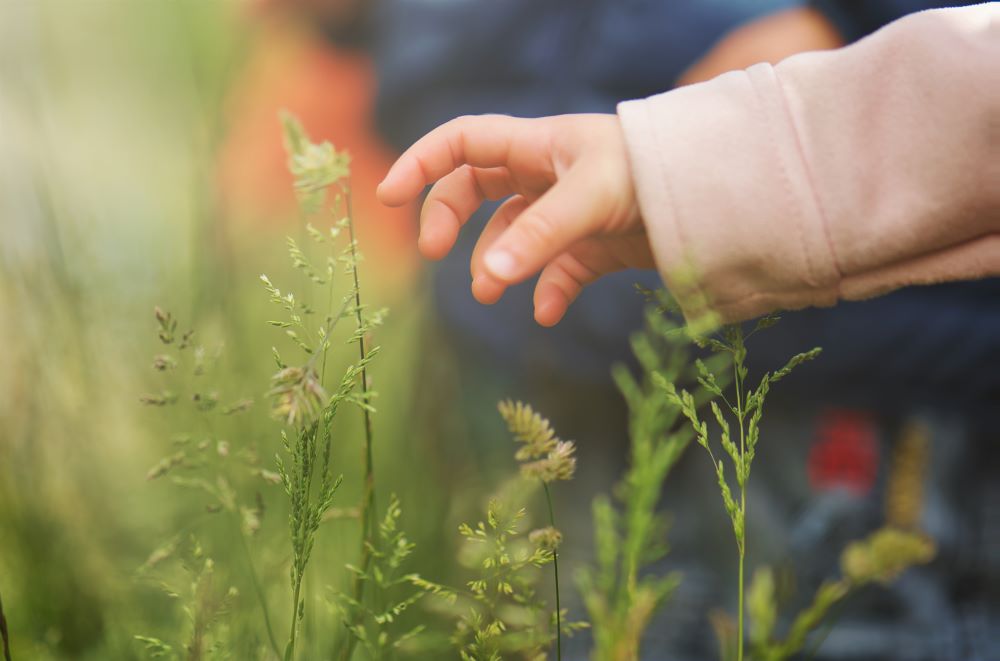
point(915, 357)
point(439, 60)
point(810, 235)
point(866, 333)
point(956, 266)
point(310, 57)
point(817, 25)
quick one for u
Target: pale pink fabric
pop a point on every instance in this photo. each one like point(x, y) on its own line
point(833, 175)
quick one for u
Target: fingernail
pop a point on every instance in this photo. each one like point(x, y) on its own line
point(501, 264)
point(385, 181)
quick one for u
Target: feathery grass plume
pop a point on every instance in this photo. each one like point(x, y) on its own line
point(202, 460)
point(904, 491)
point(4, 634)
point(204, 603)
point(376, 626)
point(620, 598)
point(879, 558)
point(315, 167)
point(299, 391)
point(298, 396)
point(500, 614)
point(546, 457)
point(745, 409)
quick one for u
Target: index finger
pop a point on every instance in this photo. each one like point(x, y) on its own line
point(477, 140)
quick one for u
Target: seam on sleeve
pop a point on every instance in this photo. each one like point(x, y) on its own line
point(662, 165)
point(682, 240)
point(813, 193)
point(786, 182)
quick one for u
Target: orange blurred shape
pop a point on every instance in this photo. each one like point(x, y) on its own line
point(332, 91)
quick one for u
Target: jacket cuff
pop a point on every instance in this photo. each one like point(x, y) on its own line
point(725, 195)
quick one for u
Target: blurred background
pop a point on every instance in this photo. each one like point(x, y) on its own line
point(141, 164)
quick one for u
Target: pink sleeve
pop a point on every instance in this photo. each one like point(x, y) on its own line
point(833, 175)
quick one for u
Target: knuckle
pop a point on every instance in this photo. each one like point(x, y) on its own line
point(538, 228)
point(462, 121)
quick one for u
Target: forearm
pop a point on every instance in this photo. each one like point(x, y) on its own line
point(833, 175)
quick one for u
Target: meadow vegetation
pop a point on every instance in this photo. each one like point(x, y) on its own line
point(375, 604)
point(251, 469)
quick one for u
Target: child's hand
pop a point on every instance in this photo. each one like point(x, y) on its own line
point(571, 212)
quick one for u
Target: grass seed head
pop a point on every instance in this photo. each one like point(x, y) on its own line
point(298, 396)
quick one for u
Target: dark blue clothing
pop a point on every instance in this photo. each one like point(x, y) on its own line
point(918, 348)
point(921, 348)
point(439, 59)
point(442, 58)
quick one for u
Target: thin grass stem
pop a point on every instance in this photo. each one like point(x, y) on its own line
point(555, 569)
point(4, 634)
point(368, 495)
point(259, 591)
point(740, 401)
point(290, 648)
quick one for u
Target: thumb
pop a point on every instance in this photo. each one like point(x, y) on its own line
point(571, 210)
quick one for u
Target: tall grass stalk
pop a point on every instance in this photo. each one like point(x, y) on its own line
point(4, 635)
point(629, 532)
point(259, 593)
point(367, 511)
point(555, 571)
point(746, 409)
point(544, 456)
point(300, 399)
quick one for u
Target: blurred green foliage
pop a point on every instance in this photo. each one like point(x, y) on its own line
point(110, 116)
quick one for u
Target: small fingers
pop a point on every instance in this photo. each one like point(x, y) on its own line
point(453, 200)
point(562, 281)
point(566, 214)
point(481, 141)
point(485, 288)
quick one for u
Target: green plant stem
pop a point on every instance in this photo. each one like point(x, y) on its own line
point(330, 322)
point(368, 496)
point(820, 638)
point(253, 570)
point(4, 634)
point(260, 594)
point(299, 563)
point(555, 569)
point(743, 509)
point(290, 648)
point(739, 617)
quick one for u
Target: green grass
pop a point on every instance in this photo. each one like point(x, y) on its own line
point(130, 530)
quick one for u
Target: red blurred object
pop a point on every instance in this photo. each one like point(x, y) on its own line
point(332, 91)
point(846, 454)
